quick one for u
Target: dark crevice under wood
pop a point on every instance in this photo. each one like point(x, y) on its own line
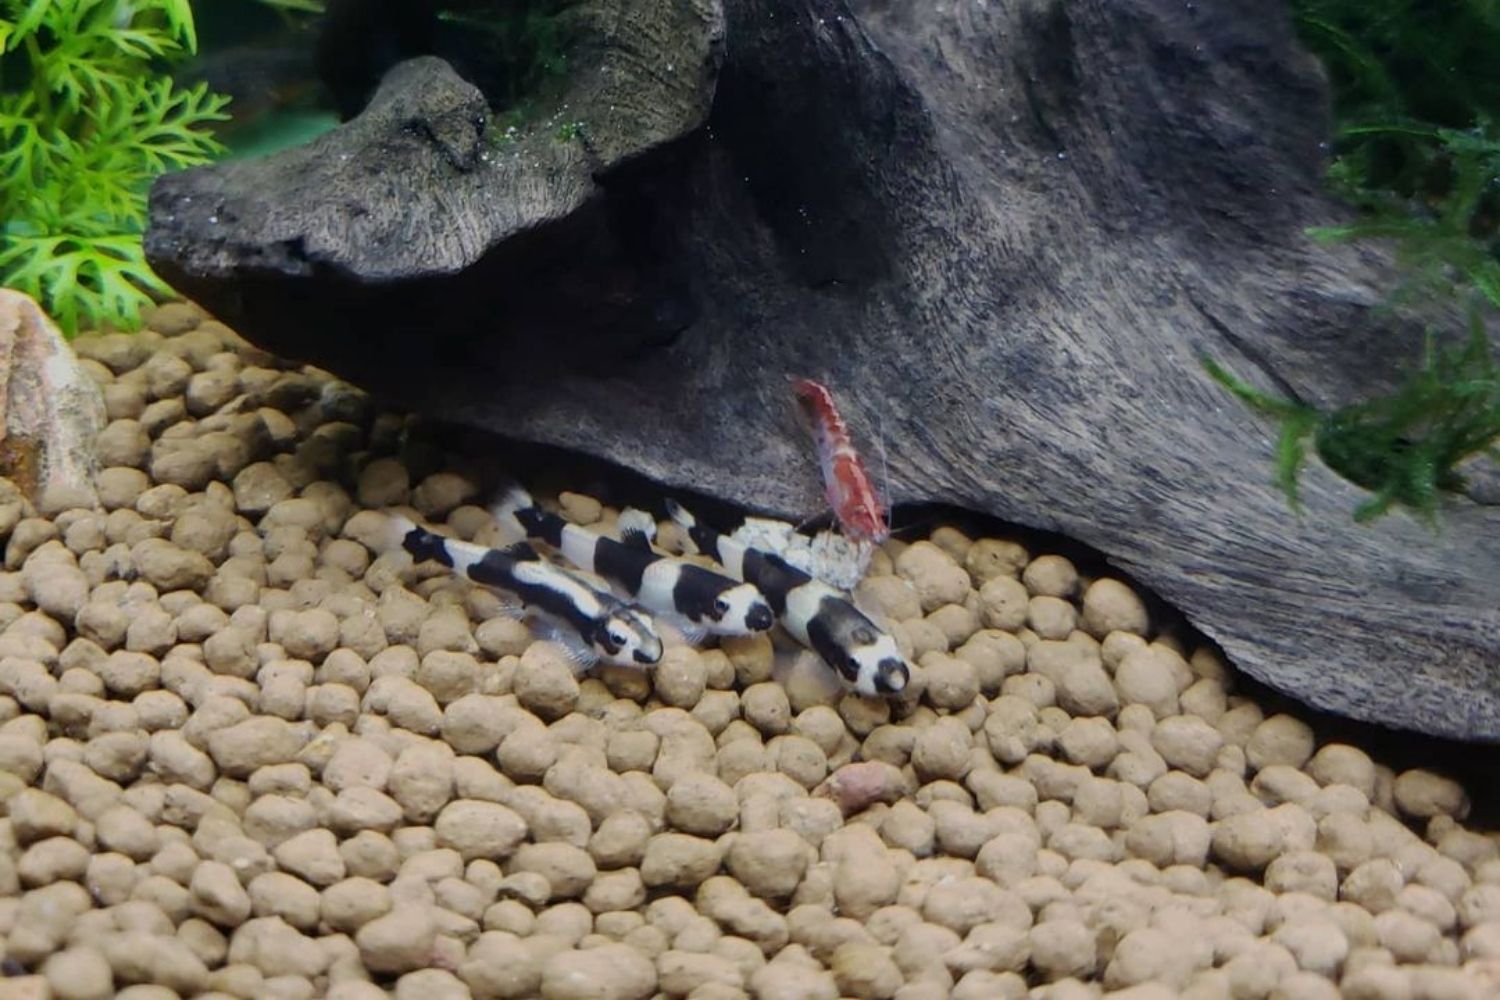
point(1004, 233)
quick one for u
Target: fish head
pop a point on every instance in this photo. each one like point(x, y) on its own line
point(628, 638)
point(879, 669)
point(740, 610)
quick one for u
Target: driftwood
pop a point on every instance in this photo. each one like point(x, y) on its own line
point(1004, 232)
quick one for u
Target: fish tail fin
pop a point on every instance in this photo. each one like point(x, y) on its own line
point(510, 499)
point(685, 519)
point(422, 544)
point(637, 527)
point(680, 514)
point(518, 516)
point(393, 533)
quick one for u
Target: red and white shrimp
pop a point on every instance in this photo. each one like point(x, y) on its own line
point(852, 496)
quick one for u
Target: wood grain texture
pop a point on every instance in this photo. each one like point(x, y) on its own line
point(1003, 232)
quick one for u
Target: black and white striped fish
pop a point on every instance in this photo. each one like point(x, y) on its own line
point(612, 630)
point(682, 593)
point(820, 617)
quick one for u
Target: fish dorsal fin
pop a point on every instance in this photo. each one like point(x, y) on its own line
point(637, 528)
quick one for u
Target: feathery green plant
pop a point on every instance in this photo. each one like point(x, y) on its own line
point(1403, 447)
point(1447, 240)
point(86, 121)
point(1417, 150)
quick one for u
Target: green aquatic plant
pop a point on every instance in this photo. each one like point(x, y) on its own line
point(530, 46)
point(528, 51)
point(1448, 241)
point(1417, 150)
point(87, 119)
point(1415, 88)
point(1405, 447)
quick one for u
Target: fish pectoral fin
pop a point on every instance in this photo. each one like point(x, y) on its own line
point(805, 667)
point(691, 632)
point(509, 605)
point(578, 652)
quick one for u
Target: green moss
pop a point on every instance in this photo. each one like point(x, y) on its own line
point(1417, 150)
point(87, 119)
point(526, 47)
point(1403, 447)
point(528, 51)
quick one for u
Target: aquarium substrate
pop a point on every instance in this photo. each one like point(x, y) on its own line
point(244, 755)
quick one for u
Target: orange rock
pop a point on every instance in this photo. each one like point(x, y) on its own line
point(856, 787)
point(52, 409)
